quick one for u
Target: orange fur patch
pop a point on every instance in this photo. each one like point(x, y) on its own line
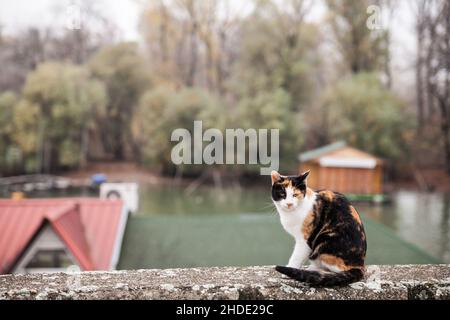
point(329, 195)
point(355, 214)
point(298, 193)
point(307, 226)
point(334, 261)
point(286, 183)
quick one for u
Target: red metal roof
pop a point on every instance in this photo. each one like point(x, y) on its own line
point(91, 228)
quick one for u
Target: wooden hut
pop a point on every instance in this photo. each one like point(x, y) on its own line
point(341, 168)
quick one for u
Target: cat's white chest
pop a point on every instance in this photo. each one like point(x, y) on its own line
point(292, 221)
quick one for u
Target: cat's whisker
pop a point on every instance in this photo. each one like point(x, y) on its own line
point(267, 206)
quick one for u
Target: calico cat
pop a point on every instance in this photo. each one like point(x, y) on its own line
point(327, 230)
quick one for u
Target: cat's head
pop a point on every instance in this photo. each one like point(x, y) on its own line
point(288, 191)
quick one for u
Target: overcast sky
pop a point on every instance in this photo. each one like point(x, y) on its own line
point(17, 15)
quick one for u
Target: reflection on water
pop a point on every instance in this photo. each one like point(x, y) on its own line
point(167, 200)
point(420, 218)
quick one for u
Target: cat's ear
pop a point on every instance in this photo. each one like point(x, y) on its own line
point(275, 176)
point(304, 175)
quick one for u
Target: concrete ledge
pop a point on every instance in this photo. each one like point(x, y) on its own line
point(382, 282)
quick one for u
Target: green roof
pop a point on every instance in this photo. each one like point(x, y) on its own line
point(311, 154)
point(238, 240)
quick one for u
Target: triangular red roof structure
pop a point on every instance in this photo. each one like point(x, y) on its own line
point(92, 229)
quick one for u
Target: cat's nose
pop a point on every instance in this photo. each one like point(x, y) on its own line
point(289, 204)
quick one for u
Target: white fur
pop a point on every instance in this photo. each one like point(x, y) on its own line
point(292, 220)
point(329, 267)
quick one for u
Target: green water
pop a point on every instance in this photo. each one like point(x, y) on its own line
point(422, 219)
point(235, 226)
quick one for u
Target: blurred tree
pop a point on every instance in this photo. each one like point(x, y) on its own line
point(8, 153)
point(25, 135)
point(93, 31)
point(160, 111)
point(440, 72)
point(59, 105)
point(22, 51)
point(278, 50)
point(362, 49)
point(124, 72)
point(275, 72)
point(163, 35)
point(149, 128)
point(270, 110)
point(432, 67)
point(189, 41)
point(19, 55)
point(423, 104)
point(368, 116)
point(260, 69)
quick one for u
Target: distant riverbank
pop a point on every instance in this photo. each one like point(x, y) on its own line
point(422, 180)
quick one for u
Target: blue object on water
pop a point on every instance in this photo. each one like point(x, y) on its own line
point(98, 178)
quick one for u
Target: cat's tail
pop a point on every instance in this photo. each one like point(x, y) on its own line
point(323, 279)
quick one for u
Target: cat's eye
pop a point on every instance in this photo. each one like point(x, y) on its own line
point(295, 195)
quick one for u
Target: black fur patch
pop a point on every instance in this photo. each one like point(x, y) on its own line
point(322, 279)
point(278, 192)
point(336, 232)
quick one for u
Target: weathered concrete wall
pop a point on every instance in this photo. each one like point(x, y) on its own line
point(382, 282)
